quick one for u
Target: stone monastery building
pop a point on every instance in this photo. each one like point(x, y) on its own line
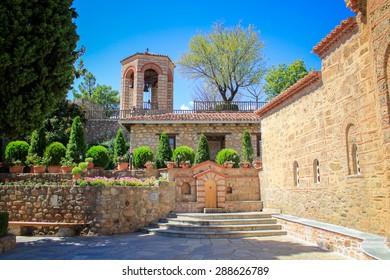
point(324, 142)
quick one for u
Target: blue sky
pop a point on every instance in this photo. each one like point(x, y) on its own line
point(113, 30)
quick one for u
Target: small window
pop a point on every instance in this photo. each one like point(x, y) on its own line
point(296, 174)
point(172, 141)
point(316, 171)
point(229, 190)
point(186, 188)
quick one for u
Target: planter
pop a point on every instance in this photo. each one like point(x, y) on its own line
point(90, 165)
point(66, 169)
point(228, 165)
point(38, 169)
point(245, 164)
point(170, 165)
point(77, 176)
point(16, 169)
point(123, 165)
point(148, 167)
point(54, 169)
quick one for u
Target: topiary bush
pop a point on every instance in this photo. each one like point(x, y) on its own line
point(37, 143)
point(55, 151)
point(100, 156)
point(141, 156)
point(247, 149)
point(186, 153)
point(120, 145)
point(16, 151)
point(76, 146)
point(4, 217)
point(164, 151)
point(228, 155)
point(203, 151)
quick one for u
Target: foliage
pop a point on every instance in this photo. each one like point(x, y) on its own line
point(164, 151)
point(141, 156)
point(124, 158)
point(99, 155)
point(4, 217)
point(120, 148)
point(228, 155)
point(280, 78)
point(87, 87)
point(247, 149)
point(110, 144)
point(16, 150)
point(66, 161)
point(76, 146)
point(59, 123)
point(88, 159)
point(203, 150)
point(56, 151)
point(123, 181)
point(83, 166)
point(227, 58)
point(38, 42)
point(37, 142)
point(226, 107)
point(77, 170)
point(186, 153)
point(35, 160)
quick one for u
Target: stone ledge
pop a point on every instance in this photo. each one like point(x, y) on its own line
point(7, 243)
point(372, 245)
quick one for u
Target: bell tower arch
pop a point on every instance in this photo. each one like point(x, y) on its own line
point(147, 82)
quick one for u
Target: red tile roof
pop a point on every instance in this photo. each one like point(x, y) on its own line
point(334, 37)
point(145, 53)
point(290, 92)
point(196, 117)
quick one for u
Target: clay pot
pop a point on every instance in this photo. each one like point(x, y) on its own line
point(123, 165)
point(38, 169)
point(16, 169)
point(66, 169)
point(54, 169)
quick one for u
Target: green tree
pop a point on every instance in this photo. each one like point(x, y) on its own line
point(38, 41)
point(76, 147)
point(87, 87)
point(37, 142)
point(227, 58)
point(120, 145)
point(280, 78)
point(203, 150)
point(247, 149)
point(164, 151)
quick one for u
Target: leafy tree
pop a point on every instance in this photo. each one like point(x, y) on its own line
point(247, 149)
point(227, 58)
point(164, 151)
point(58, 124)
point(76, 147)
point(37, 142)
point(120, 145)
point(280, 78)
point(203, 151)
point(38, 42)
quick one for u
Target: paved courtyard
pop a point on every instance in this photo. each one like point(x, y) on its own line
point(139, 246)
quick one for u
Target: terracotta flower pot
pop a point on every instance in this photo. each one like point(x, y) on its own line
point(54, 169)
point(38, 169)
point(66, 169)
point(90, 165)
point(16, 169)
point(123, 165)
point(170, 165)
point(77, 176)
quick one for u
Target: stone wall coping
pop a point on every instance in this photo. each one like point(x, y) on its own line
point(373, 245)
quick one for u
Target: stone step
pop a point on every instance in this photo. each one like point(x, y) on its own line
point(211, 222)
point(213, 210)
point(212, 234)
point(218, 228)
point(219, 216)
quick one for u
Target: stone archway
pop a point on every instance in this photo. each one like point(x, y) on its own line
point(211, 194)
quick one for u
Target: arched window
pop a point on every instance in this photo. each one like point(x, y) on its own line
point(296, 174)
point(229, 190)
point(316, 171)
point(186, 188)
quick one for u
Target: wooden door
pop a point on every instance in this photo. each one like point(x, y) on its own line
point(210, 194)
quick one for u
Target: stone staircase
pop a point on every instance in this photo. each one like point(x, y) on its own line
point(217, 225)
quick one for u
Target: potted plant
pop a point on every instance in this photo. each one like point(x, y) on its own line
point(257, 164)
point(56, 151)
point(228, 164)
point(170, 164)
point(150, 165)
point(245, 164)
point(100, 156)
point(67, 164)
point(83, 166)
point(77, 171)
point(16, 153)
point(185, 164)
point(122, 162)
point(89, 161)
point(16, 166)
point(37, 163)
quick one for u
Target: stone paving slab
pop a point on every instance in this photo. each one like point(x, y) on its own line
point(139, 246)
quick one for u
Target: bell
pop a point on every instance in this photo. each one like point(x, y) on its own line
point(146, 88)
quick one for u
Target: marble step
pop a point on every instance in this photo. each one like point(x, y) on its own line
point(213, 234)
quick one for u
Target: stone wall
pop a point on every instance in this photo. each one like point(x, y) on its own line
point(345, 109)
point(100, 130)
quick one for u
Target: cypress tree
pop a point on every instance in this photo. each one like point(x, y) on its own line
point(120, 145)
point(164, 151)
point(247, 149)
point(76, 146)
point(203, 151)
point(37, 142)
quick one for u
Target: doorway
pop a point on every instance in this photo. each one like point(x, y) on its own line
point(210, 194)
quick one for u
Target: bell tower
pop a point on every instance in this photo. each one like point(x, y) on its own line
point(147, 82)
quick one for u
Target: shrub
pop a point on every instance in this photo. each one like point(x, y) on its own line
point(77, 170)
point(83, 165)
point(226, 107)
point(120, 145)
point(247, 149)
point(76, 146)
point(164, 151)
point(203, 151)
point(55, 151)
point(228, 155)
point(37, 143)
point(99, 155)
point(141, 156)
point(16, 150)
point(186, 153)
point(4, 216)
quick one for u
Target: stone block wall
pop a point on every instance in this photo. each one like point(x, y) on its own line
point(97, 131)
